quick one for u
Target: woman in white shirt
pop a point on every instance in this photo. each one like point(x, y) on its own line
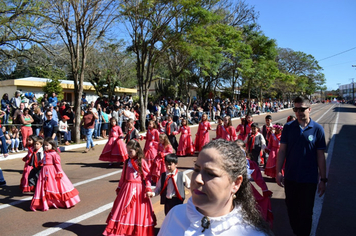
point(222, 202)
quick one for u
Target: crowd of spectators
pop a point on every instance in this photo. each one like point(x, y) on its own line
point(23, 115)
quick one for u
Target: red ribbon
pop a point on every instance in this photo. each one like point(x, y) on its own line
point(171, 176)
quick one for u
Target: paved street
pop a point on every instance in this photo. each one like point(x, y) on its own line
point(97, 183)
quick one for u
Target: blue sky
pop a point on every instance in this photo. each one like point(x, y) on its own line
point(316, 27)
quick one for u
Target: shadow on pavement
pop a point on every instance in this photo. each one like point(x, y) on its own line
point(79, 229)
point(348, 109)
point(103, 165)
point(281, 225)
point(338, 213)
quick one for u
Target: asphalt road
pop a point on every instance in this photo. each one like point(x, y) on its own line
point(97, 183)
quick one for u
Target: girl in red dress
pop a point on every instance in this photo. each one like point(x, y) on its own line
point(53, 188)
point(151, 145)
point(218, 127)
point(132, 212)
point(185, 146)
point(240, 129)
point(24, 185)
point(272, 149)
point(202, 136)
point(228, 131)
point(115, 148)
point(164, 148)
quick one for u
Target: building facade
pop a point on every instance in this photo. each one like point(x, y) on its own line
point(348, 91)
point(35, 85)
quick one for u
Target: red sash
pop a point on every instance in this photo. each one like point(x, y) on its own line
point(168, 125)
point(174, 184)
point(251, 141)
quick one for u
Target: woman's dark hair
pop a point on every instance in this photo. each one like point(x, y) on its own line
point(133, 144)
point(52, 142)
point(26, 109)
point(235, 164)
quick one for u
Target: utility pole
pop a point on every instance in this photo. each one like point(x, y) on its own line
point(353, 89)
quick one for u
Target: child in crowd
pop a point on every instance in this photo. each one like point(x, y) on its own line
point(272, 149)
point(115, 148)
point(228, 131)
point(291, 118)
point(219, 127)
point(266, 132)
point(255, 143)
point(171, 128)
point(132, 212)
point(160, 126)
point(24, 183)
point(164, 148)
point(35, 162)
point(53, 188)
point(185, 146)
point(241, 130)
point(65, 130)
point(263, 201)
point(132, 132)
point(15, 141)
point(151, 145)
point(172, 191)
point(202, 136)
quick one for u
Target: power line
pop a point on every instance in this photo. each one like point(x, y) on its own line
point(337, 54)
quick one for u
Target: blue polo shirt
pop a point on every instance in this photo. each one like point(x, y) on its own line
point(301, 158)
point(49, 127)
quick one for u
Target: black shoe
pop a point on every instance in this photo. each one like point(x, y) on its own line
point(2, 183)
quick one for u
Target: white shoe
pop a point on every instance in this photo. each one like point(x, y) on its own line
point(17, 150)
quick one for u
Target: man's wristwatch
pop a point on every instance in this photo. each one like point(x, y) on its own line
point(325, 180)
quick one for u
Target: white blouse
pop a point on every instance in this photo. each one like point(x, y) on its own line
point(186, 220)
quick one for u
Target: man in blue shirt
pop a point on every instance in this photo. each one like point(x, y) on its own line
point(302, 148)
point(50, 126)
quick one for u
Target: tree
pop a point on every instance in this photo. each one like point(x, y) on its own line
point(303, 67)
point(261, 68)
point(80, 25)
point(109, 66)
point(21, 23)
point(150, 25)
point(54, 86)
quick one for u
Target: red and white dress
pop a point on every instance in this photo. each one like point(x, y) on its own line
point(240, 129)
point(273, 148)
point(202, 136)
point(158, 166)
point(24, 185)
point(218, 131)
point(53, 188)
point(263, 201)
point(151, 145)
point(228, 133)
point(115, 148)
point(132, 212)
point(185, 146)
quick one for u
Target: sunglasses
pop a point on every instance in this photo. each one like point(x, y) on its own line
point(300, 109)
point(49, 115)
